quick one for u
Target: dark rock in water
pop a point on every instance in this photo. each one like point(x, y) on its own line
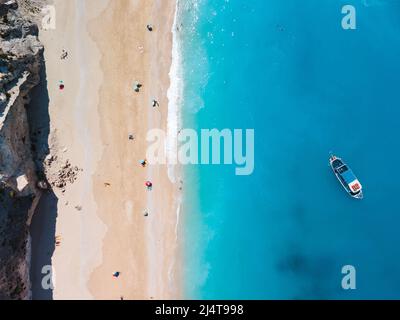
point(294, 263)
point(21, 55)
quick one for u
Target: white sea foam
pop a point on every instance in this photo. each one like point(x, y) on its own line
point(174, 94)
point(178, 215)
point(187, 75)
point(192, 75)
point(171, 269)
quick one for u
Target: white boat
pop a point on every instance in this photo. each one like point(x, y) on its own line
point(346, 177)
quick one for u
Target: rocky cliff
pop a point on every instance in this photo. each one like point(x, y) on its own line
point(20, 59)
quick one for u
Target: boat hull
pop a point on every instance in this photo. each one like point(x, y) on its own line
point(337, 166)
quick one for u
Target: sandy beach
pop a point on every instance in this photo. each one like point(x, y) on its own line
point(100, 217)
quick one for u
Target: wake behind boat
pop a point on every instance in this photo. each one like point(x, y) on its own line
point(346, 177)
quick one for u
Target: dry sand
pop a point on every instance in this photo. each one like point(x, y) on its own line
point(109, 48)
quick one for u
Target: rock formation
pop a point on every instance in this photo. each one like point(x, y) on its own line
point(60, 177)
point(20, 59)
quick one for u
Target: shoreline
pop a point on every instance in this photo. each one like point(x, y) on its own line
point(174, 94)
point(108, 51)
point(175, 104)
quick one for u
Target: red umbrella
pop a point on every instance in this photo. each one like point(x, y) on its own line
point(149, 184)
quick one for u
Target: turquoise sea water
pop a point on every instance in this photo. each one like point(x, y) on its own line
point(287, 69)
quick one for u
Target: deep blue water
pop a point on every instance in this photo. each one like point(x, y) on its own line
point(287, 69)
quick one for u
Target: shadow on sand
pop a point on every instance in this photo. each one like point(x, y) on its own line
point(43, 224)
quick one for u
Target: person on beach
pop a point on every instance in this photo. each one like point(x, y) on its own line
point(149, 185)
point(58, 241)
point(64, 55)
point(143, 163)
point(137, 86)
point(155, 103)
